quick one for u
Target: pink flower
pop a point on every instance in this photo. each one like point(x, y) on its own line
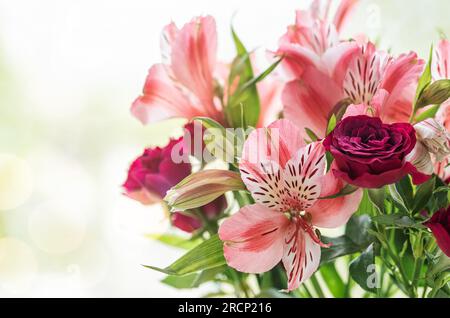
point(440, 69)
point(356, 73)
point(434, 137)
point(371, 154)
point(286, 179)
point(439, 224)
point(184, 85)
point(153, 173)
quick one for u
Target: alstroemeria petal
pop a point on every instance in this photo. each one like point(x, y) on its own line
point(297, 59)
point(301, 256)
point(344, 10)
point(440, 67)
point(253, 238)
point(303, 177)
point(332, 213)
point(309, 102)
point(295, 184)
point(278, 143)
point(161, 99)
point(194, 59)
point(400, 81)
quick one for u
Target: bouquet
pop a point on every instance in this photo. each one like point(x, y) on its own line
point(327, 133)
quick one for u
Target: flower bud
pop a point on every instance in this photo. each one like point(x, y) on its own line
point(434, 137)
point(202, 187)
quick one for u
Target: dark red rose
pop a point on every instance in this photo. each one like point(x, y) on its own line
point(189, 223)
point(371, 154)
point(153, 173)
point(439, 224)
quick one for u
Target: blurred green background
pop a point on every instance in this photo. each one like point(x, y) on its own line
point(69, 71)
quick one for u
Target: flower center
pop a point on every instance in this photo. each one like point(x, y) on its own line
point(302, 220)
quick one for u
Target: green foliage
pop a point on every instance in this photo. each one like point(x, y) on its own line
point(355, 239)
point(424, 80)
point(193, 280)
point(333, 280)
point(331, 123)
point(175, 240)
point(377, 197)
point(208, 254)
point(360, 269)
point(397, 220)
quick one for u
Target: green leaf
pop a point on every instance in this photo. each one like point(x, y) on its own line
point(272, 293)
point(424, 80)
point(423, 194)
point(243, 109)
point(208, 254)
point(357, 230)
point(252, 82)
point(440, 199)
point(366, 206)
point(428, 113)
point(331, 123)
point(193, 280)
point(397, 220)
point(434, 94)
point(362, 269)
point(405, 189)
point(340, 246)
point(333, 280)
point(311, 134)
point(237, 67)
point(398, 199)
point(346, 190)
point(175, 240)
point(180, 282)
point(377, 196)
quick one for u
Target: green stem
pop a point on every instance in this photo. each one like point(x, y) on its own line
point(418, 264)
point(317, 286)
point(395, 258)
point(307, 291)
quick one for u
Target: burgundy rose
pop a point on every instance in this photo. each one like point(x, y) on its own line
point(371, 154)
point(189, 223)
point(153, 173)
point(439, 224)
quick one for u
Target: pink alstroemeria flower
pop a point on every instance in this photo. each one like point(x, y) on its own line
point(286, 179)
point(378, 83)
point(183, 85)
point(440, 69)
point(313, 41)
point(325, 71)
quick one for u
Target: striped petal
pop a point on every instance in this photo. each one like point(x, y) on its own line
point(301, 256)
